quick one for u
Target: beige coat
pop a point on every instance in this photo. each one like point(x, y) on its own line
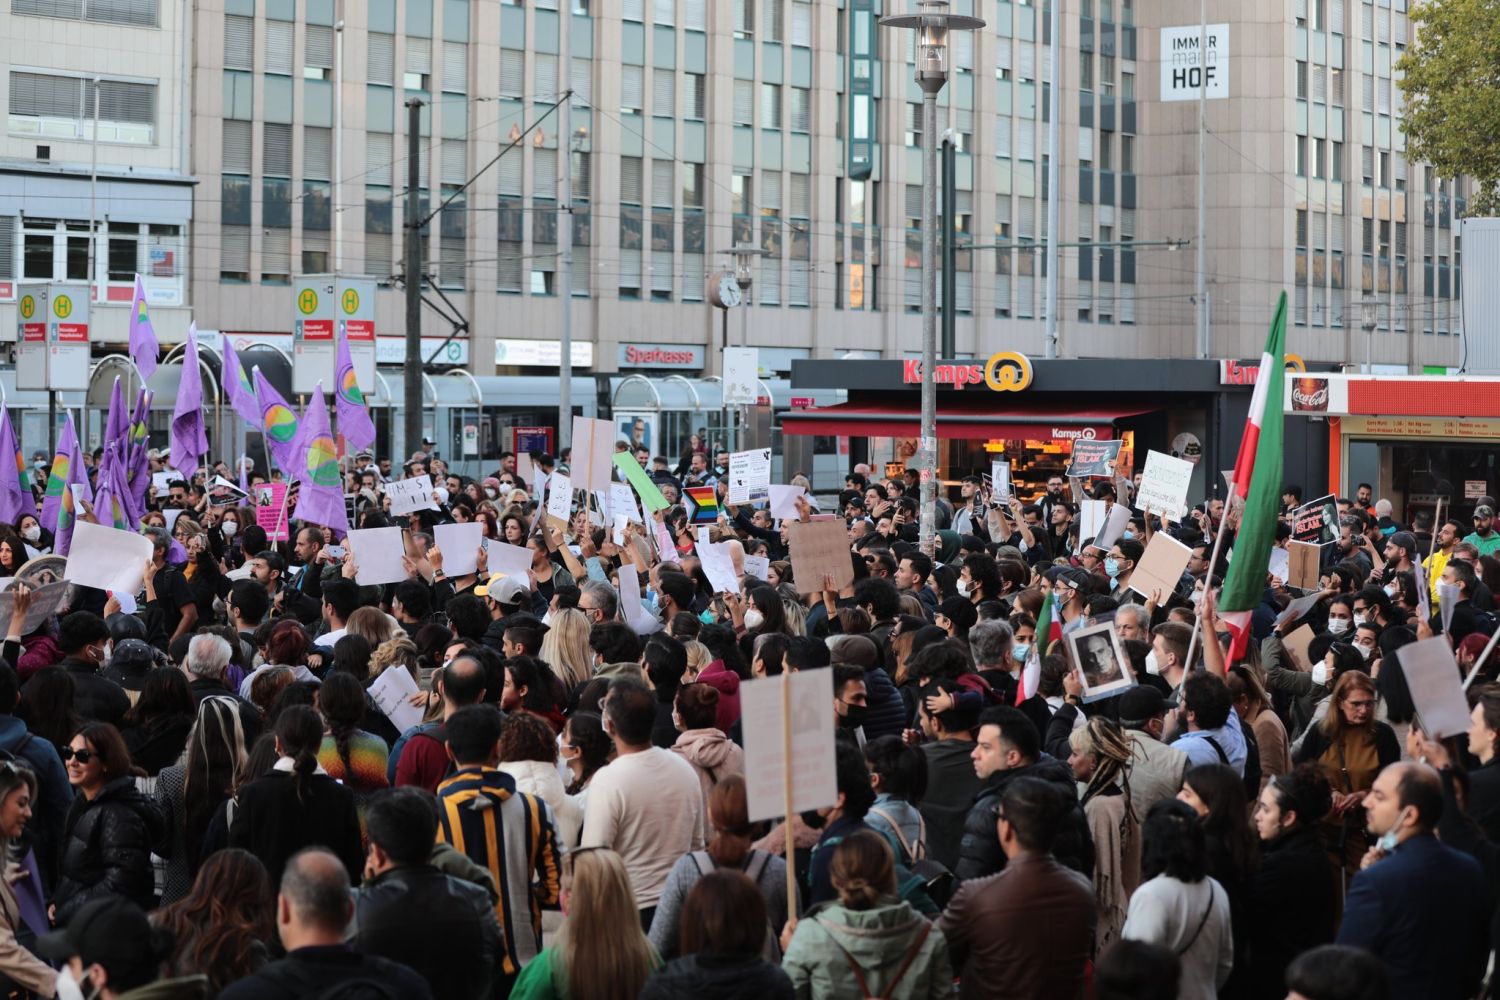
point(15, 961)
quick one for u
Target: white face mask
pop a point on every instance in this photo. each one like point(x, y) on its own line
point(1338, 626)
point(1360, 619)
point(68, 988)
point(1153, 667)
point(754, 619)
point(1197, 597)
point(32, 533)
point(1392, 590)
point(1320, 674)
point(1365, 651)
point(963, 587)
point(228, 528)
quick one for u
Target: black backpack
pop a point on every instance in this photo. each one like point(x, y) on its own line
point(1251, 776)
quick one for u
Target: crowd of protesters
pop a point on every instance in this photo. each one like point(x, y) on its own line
point(200, 796)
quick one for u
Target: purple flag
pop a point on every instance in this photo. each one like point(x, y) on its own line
point(138, 467)
point(238, 388)
point(143, 345)
point(117, 426)
point(75, 485)
point(15, 498)
point(321, 498)
point(189, 437)
point(349, 402)
point(110, 505)
point(57, 478)
point(244, 475)
point(278, 425)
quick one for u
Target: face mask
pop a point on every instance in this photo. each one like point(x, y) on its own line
point(491, 493)
point(1020, 652)
point(754, 619)
point(1112, 568)
point(1320, 674)
point(1127, 534)
point(228, 528)
point(1197, 597)
point(32, 533)
point(963, 587)
point(1366, 651)
point(1338, 626)
point(706, 617)
point(70, 989)
point(1388, 841)
point(1391, 590)
point(1360, 619)
point(853, 717)
point(1153, 666)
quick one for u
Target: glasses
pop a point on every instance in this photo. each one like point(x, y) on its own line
point(1363, 703)
point(82, 756)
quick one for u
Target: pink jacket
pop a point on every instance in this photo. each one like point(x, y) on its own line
point(727, 683)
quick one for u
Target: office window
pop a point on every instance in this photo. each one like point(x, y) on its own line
point(279, 47)
point(744, 18)
point(380, 49)
point(317, 61)
point(632, 88)
point(692, 96)
point(663, 93)
point(544, 80)
point(276, 144)
point(801, 109)
point(802, 19)
point(239, 42)
point(695, 15)
point(771, 20)
point(63, 107)
point(664, 12)
point(770, 105)
point(512, 73)
point(744, 102)
point(511, 263)
point(143, 13)
point(237, 147)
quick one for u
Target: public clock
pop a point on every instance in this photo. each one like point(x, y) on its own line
point(724, 291)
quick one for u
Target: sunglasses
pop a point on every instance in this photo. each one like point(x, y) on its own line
point(82, 756)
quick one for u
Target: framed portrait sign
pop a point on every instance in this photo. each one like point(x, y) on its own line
point(1100, 657)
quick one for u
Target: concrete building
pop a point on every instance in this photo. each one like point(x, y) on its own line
point(792, 124)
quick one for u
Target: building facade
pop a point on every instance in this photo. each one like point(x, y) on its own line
point(696, 125)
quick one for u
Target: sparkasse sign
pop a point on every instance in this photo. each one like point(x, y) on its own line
point(661, 356)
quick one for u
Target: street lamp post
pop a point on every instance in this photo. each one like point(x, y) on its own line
point(1369, 307)
point(744, 255)
point(932, 23)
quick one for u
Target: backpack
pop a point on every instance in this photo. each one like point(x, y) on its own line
point(935, 877)
point(1251, 776)
point(753, 867)
point(890, 987)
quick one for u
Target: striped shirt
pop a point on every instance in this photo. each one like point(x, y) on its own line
point(511, 834)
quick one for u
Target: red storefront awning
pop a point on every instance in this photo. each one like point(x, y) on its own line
point(958, 420)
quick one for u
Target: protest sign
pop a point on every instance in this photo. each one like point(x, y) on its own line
point(1295, 644)
point(784, 502)
point(645, 487)
point(1447, 601)
point(1000, 480)
point(45, 600)
point(411, 495)
point(560, 498)
point(718, 566)
point(1161, 567)
point(1303, 559)
point(1316, 521)
point(1101, 661)
point(818, 549)
point(270, 510)
point(756, 566)
point(1436, 686)
point(460, 546)
point(1091, 518)
point(749, 476)
point(1093, 459)
point(1164, 486)
point(702, 504)
point(392, 692)
point(622, 502)
point(1279, 563)
point(631, 609)
point(506, 559)
point(223, 493)
point(377, 555)
point(1114, 526)
point(107, 558)
point(162, 481)
point(766, 707)
point(593, 446)
point(1297, 609)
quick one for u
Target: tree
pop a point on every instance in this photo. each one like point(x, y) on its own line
point(1451, 83)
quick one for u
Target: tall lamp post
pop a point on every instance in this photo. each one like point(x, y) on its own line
point(744, 255)
point(932, 23)
point(1369, 308)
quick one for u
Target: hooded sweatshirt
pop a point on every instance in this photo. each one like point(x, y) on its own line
point(712, 754)
point(727, 683)
point(542, 780)
point(878, 940)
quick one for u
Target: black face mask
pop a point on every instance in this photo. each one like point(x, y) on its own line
point(813, 819)
point(854, 716)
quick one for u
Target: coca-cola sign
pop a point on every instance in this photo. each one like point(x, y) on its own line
point(1310, 395)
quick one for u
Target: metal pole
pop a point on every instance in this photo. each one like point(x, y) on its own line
point(950, 256)
point(338, 143)
point(1200, 294)
point(1054, 177)
point(565, 249)
point(928, 449)
point(723, 396)
point(93, 188)
point(412, 382)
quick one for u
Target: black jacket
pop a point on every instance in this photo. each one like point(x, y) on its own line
point(442, 927)
point(308, 972)
point(106, 849)
point(1289, 907)
point(94, 695)
point(158, 743)
point(718, 977)
point(980, 854)
point(273, 822)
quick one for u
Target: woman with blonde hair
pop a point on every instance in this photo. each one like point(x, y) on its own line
point(698, 657)
point(600, 953)
point(869, 942)
point(1351, 746)
point(372, 625)
point(395, 651)
point(1100, 758)
point(565, 647)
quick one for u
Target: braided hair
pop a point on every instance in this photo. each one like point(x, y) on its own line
point(1110, 745)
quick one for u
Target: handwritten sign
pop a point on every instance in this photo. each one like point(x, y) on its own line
point(1164, 486)
point(411, 495)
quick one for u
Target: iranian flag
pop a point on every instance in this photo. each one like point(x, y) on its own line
point(1032, 671)
point(1257, 481)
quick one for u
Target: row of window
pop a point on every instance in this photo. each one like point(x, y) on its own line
point(36, 249)
point(62, 106)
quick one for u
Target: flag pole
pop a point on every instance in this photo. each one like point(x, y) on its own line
point(1213, 563)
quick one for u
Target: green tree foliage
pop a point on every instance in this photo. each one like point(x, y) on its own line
point(1452, 90)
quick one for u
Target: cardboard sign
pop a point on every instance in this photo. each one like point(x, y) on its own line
point(1304, 564)
point(1436, 686)
point(1316, 521)
point(819, 548)
point(107, 558)
point(506, 559)
point(460, 546)
point(806, 697)
point(377, 555)
point(223, 493)
point(1295, 643)
point(593, 447)
point(1164, 486)
point(749, 476)
point(1093, 459)
point(645, 487)
point(411, 495)
point(1161, 567)
point(622, 503)
point(560, 497)
point(270, 510)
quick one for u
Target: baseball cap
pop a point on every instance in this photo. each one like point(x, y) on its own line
point(1141, 704)
point(1484, 510)
point(111, 932)
point(1074, 577)
point(503, 589)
